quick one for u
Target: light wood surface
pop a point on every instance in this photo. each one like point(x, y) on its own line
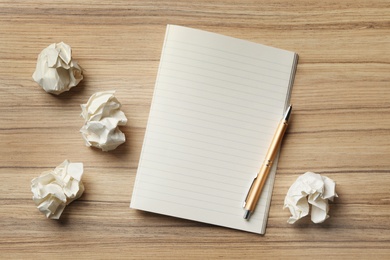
point(340, 127)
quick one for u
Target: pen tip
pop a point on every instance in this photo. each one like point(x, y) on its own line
point(288, 113)
point(247, 214)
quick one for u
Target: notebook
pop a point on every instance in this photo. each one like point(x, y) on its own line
point(216, 105)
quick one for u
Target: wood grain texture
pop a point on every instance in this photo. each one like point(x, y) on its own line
point(340, 127)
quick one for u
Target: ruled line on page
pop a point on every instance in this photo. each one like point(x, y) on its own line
point(239, 71)
point(182, 192)
point(185, 205)
point(236, 118)
point(212, 175)
point(241, 175)
point(200, 138)
point(222, 78)
point(216, 99)
point(221, 89)
point(237, 54)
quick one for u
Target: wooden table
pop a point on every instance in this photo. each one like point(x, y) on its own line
point(340, 127)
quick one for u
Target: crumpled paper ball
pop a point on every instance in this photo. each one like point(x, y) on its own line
point(56, 72)
point(54, 190)
point(102, 116)
point(310, 188)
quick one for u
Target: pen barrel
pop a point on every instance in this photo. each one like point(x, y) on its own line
point(258, 183)
point(275, 143)
point(257, 187)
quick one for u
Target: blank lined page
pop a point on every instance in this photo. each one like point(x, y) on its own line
point(216, 105)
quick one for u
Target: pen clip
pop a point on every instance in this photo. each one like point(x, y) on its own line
point(250, 188)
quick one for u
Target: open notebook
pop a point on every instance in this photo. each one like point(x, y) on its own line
point(216, 105)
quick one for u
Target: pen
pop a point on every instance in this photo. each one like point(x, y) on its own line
point(258, 183)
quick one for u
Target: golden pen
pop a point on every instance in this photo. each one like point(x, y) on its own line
point(258, 183)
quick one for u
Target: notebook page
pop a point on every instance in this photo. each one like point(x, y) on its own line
point(216, 105)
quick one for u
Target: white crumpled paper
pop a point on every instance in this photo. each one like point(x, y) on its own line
point(56, 72)
point(310, 188)
point(102, 116)
point(55, 189)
